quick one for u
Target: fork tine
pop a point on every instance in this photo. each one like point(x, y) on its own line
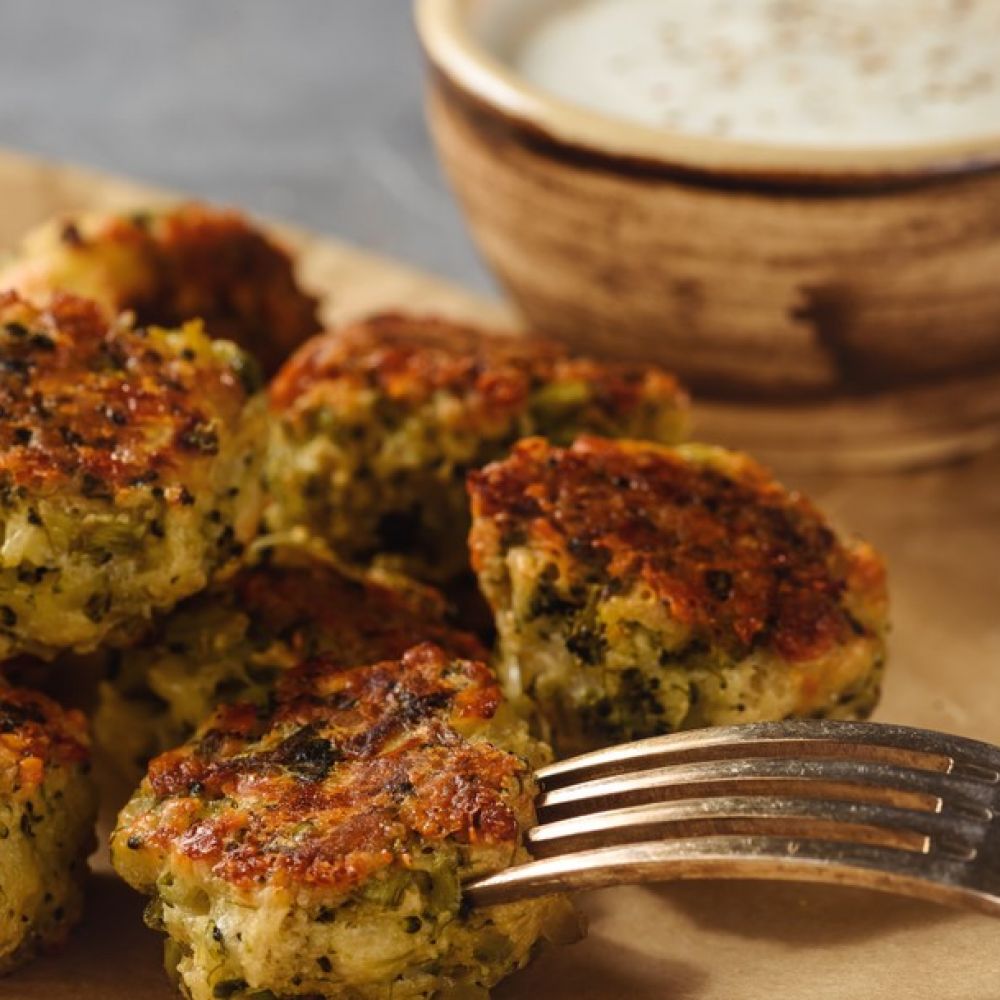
point(774, 858)
point(905, 788)
point(856, 822)
point(877, 743)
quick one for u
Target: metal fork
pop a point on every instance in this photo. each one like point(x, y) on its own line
point(905, 811)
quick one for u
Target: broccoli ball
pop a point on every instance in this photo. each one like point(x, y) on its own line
point(234, 641)
point(641, 590)
point(47, 811)
point(130, 464)
point(317, 848)
point(376, 426)
point(171, 265)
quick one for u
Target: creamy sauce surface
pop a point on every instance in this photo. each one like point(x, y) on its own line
point(802, 72)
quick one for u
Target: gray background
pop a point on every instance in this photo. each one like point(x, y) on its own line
point(306, 110)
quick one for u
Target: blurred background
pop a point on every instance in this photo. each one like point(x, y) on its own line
point(309, 111)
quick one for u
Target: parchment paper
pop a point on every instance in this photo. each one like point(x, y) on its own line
point(693, 941)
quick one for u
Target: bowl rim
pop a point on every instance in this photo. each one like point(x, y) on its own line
point(453, 51)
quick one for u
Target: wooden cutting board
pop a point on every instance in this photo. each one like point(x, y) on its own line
point(940, 530)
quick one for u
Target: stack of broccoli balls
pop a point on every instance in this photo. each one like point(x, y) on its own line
point(326, 747)
point(132, 443)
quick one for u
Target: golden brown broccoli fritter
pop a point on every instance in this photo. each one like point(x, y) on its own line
point(234, 641)
point(129, 471)
point(640, 590)
point(172, 265)
point(377, 424)
point(47, 812)
point(318, 847)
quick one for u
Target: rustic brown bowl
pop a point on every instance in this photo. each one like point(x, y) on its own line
point(837, 306)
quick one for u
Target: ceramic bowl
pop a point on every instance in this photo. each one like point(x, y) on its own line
point(834, 306)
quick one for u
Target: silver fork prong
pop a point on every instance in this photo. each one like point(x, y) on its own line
point(834, 780)
point(858, 822)
point(872, 742)
point(882, 807)
point(934, 877)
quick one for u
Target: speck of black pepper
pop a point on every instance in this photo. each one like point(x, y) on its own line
point(18, 330)
point(97, 606)
point(40, 406)
point(185, 497)
point(8, 616)
point(21, 367)
point(34, 517)
point(70, 235)
point(719, 583)
point(41, 342)
point(94, 488)
point(70, 436)
point(32, 574)
point(22, 435)
point(156, 529)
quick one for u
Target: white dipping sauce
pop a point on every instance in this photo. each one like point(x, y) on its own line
point(806, 72)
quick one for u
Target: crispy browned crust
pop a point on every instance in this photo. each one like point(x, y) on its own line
point(351, 620)
point(211, 264)
point(350, 770)
point(731, 554)
point(408, 359)
point(35, 735)
point(90, 402)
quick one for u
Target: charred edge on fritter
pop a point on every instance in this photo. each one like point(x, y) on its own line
point(118, 445)
point(233, 643)
point(640, 590)
point(337, 825)
point(378, 424)
point(173, 265)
